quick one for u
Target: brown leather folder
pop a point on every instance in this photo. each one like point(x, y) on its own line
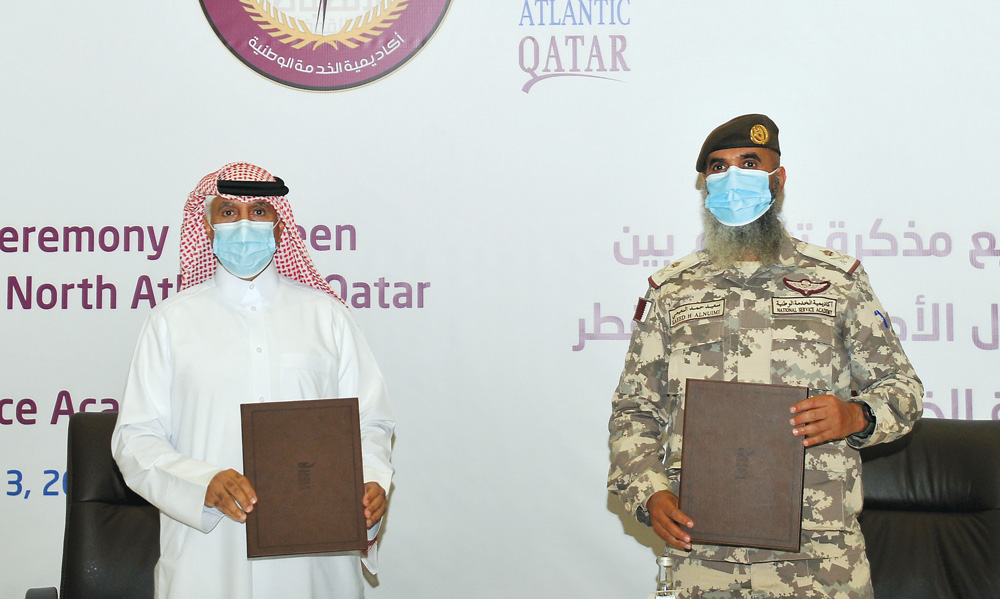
point(303, 459)
point(741, 467)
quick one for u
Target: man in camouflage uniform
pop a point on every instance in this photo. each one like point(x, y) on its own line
point(758, 306)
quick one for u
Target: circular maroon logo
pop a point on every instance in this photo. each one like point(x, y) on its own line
point(322, 45)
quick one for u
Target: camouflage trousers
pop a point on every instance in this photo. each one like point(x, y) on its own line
point(845, 577)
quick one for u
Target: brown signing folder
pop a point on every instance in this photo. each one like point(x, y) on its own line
point(303, 459)
point(741, 467)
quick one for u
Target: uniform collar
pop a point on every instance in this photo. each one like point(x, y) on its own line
point(242, 292)
point(788, 256)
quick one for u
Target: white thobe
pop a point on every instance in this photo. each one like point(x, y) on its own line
point(199, 356)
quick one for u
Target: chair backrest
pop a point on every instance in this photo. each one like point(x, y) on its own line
point(932, 511)
point(112, 537)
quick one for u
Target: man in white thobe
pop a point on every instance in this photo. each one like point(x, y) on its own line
point(264, 327)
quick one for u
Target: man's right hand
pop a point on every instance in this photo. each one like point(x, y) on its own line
point(667, 519)
point(232, 494)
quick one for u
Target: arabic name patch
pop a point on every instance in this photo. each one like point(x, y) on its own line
point(682, 314)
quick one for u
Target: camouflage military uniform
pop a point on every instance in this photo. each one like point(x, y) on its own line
point(810, 320)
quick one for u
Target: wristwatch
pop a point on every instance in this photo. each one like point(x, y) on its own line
point(869, 417)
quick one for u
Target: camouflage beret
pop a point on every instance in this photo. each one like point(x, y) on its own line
point(747, 131)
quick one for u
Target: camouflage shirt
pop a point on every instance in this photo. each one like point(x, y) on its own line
point(810, 320)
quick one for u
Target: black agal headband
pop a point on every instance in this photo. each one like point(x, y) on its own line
point(252, 188)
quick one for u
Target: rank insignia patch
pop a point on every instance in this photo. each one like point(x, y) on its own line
point(807, 287)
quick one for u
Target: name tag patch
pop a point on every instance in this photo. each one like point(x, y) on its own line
point(682, 314)
point(824, 306)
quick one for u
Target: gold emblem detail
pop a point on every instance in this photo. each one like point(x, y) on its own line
point(759, 134)
point(354, 33)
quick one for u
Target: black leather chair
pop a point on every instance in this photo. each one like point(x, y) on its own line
point(932, 511)
point(112, 536)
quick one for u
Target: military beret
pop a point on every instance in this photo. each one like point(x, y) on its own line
point(747, 131)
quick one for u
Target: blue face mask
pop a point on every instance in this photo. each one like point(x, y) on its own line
point(738, 196)
point(244, 247)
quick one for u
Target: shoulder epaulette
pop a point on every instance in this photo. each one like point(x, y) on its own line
point(843, 262)
point(674, 268)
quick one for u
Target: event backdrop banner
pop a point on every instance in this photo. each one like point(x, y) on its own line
point(488, 192)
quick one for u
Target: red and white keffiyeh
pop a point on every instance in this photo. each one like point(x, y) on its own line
point(198, 263)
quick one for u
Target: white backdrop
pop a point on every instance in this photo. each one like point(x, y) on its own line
point(532, 217)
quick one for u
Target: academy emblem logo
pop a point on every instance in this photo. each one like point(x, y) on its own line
point(324, 46)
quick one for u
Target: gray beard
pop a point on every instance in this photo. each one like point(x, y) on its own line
point(760, 240)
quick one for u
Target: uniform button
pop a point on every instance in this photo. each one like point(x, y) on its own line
point(260, 349)
point(251, 286)
point(260, 399)
point(253, 308)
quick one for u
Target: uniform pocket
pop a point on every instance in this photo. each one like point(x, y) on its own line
point(695, 353)
point(823, 500)
point(802, 353)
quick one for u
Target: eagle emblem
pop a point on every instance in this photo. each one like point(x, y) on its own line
point(807, 287)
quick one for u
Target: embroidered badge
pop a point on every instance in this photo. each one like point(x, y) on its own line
point(682, 314)
point(824, 306)
point(807, 287)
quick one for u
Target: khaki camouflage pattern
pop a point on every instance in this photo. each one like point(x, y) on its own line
point(709, 323)
point(844, 577)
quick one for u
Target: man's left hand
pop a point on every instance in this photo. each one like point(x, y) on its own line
point(826, 418)
point(374, 502)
